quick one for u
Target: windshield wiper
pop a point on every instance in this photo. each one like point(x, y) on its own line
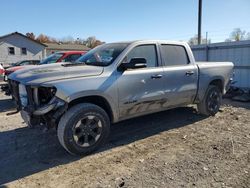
point(84, 63)
point(97, 64)
point(73, 64)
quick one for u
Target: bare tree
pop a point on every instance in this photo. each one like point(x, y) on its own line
point(92, 42)
point(237, 35)
point(31, 35)
point(248, 36)
point(194, 40)
point(46, 39)
point(228, 40)
point(81, 41)
point(43, 38)
point(67, 40)
point(98, 42)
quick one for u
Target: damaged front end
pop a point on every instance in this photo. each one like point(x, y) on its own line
point(37, 104)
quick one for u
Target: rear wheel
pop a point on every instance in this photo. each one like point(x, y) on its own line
point(83, 128)
point(211, 102)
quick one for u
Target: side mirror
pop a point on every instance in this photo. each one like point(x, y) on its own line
point(135, 63)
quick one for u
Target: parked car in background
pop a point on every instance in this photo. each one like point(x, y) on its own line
point(114, 82)
point(63, 56)
point(15, 66)
point(22, 63)
point(2, 71)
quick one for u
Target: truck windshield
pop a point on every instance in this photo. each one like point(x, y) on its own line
point(103, 55)
point(51, 59)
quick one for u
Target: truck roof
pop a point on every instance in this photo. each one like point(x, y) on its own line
point(151, 41)
point(71, 52)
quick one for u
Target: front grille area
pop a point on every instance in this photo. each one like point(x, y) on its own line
point(13, 86)
point(36, 97)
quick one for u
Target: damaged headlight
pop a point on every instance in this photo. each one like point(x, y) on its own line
point(23, 95)
point(45, 94)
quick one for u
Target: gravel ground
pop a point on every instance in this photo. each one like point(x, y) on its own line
point(175, 148)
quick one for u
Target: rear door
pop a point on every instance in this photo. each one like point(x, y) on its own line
point(141, 90)
point(180, 75)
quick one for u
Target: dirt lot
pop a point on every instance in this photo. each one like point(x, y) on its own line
point(176, 148)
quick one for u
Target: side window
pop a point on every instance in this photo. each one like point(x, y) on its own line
point(23, 51)
point(11, 50)
point(25, 63)
point(71, 58)
point(174, 55)
point(144, 51)
point(35, 62)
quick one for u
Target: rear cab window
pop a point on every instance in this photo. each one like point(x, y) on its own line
point(174, 55)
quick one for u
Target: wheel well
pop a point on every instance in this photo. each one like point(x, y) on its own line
point(97, 100)
point(217, 83)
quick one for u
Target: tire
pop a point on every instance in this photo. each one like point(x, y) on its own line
point(211, 102)
point(83, 128)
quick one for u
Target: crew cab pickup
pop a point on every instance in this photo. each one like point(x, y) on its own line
point(114, 82)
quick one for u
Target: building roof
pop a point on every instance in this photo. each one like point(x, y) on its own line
point(71, 47)
point(22, 35)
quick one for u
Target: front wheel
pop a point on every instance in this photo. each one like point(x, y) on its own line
point(211, 102)
point(83, 128)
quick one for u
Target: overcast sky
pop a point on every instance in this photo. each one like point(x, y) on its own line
point(117, 20)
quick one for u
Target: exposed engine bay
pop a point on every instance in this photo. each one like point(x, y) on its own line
point(38, 104)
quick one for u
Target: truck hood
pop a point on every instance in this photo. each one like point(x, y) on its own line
point(13, 69)
point(38, 74)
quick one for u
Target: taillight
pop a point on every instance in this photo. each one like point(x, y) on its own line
point(2, 72)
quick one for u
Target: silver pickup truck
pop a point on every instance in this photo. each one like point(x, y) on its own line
point(114, 82)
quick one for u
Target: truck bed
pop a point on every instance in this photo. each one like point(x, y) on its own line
point(213, 70)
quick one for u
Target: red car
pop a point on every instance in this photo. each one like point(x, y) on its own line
point(2, 71)
point(63, 56)
point(67, 56)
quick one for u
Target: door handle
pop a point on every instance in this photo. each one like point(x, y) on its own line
point(189, 73)
point(156, 76)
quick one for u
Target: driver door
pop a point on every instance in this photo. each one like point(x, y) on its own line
point(140, 90)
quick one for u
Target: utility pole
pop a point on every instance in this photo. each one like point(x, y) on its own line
point(206, 37)
point(199, 21)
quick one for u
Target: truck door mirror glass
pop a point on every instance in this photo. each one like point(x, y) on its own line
point(135, 63)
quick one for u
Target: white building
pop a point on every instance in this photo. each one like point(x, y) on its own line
point(55, 47)
point(16, 47)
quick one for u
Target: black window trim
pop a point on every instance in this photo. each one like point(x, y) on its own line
point(162, 44)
